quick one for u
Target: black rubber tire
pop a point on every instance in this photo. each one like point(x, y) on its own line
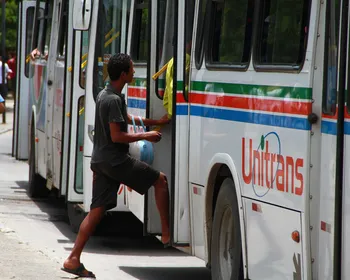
point(226, 207)
point(37, 184)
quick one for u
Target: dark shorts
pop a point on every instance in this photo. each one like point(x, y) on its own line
point(107, 178)
point(3, 90)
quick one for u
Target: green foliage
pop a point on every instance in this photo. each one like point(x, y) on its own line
point(11, 23)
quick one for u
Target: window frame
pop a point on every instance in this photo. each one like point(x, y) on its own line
point(210, 65)
point(201, 38)
point(325, 65)
point(259, 67)
point(158, 44)
point(63, 31)
point(134, 35)
point(28, 47)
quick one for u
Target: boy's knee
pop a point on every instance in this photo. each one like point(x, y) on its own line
point(161, 181)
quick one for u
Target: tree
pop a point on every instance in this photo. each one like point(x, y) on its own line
point(11, 24)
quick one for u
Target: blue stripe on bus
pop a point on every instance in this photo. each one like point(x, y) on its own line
point(137, 103)
point(251, 117)
point(232, 115)
point(328, 127)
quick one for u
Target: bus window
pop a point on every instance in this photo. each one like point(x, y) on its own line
point(202, 15)
point(29, 34)
point(78, 186)
point(282, 35)
point(62, 35)
point(231, 33)
point(83, 57)
point(331, 58)
point(44, 22)
point(139, 43)
point(161, 37)
point(189, 16)
point(108, 39)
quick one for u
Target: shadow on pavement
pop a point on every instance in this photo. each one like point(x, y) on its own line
point(169, 273)
point(120, 233)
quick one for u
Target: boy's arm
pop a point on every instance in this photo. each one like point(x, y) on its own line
point(149, 122)
point(115, 118)
point(119, 136)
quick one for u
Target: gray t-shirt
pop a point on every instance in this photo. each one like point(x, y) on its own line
point(110, 107)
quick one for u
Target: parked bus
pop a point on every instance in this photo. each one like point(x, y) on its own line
point(257, 150)
point(258, 147)
point(51, 112)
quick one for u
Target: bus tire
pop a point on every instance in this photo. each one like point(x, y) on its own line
point(226, 253)
point(37, 184)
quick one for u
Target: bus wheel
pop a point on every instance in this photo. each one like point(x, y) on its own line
point(226, 247)
point(37, 184)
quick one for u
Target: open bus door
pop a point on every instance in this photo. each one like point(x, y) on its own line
point(137, 92)
point(26, 13)
point(107, 36)
point(334, 200)
point(75, 112)
point(145, 98)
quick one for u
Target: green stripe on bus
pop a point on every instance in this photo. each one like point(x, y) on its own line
point(254, 90)
point(139, 82)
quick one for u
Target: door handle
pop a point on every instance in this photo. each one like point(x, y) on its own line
point(312, 118)
point(49, 82)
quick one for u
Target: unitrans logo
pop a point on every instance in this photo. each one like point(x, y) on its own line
point(266, 167)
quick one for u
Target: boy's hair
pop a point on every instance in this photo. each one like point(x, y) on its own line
point(117, 64)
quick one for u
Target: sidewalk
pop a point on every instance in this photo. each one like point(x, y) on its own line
point(21, 262)
point(8, 126)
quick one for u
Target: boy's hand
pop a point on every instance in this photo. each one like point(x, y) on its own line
point(164, 120)
point(153, 136)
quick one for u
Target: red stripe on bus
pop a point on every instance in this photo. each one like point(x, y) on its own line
point(260, 104)
point(137, 92)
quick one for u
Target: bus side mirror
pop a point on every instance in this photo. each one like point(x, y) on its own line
point(81, 14)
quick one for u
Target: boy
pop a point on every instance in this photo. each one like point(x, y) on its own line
point(112, 164)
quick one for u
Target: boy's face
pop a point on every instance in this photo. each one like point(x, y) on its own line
point(130, 75)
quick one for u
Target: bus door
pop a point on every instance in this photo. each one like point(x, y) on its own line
point(107, 36)
point(73, 144)
point(345, 218)
point(26, 12)
point(138, 90)
point(334, 201)
point(59, 93)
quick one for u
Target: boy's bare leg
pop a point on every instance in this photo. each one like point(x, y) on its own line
point(162, 201)
point(86, 229)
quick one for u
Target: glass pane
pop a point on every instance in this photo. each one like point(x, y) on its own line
point(284, 30)
point(48, 22)
point(162, 4)
point(189, 17)
point(78, 186)
point(331, 75)
point(139, 44)
point(200, 33)
point(29, 34)
point(62, 38)
point(83, 57)
point(232, 32)
point(108, 39)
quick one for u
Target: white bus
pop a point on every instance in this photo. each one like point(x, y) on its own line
point(50, 117)
point(258, 148)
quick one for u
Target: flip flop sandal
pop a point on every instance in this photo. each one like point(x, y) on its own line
point(80, 271)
